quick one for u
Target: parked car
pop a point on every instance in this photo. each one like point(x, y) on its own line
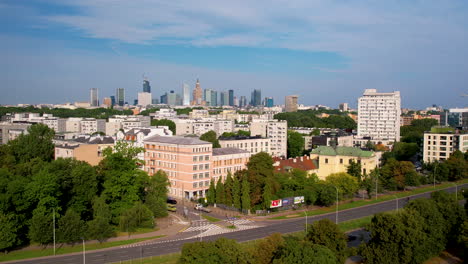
point(171, 200)
point(171, 208)
point(200, 207)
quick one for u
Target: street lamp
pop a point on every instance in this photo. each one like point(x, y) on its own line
point(456, 191)
point(306, 219)
point(396, 201)
point(53, 219)
point(84, 251)
point(435, 169)
point(336, 214)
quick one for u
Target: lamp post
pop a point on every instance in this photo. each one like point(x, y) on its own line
point(306, 220)
point(456, 191)
point(84, 251)
point(435, 169)
point(53, 220)
point(396, 202)
point(336, 214)
point(376, 185)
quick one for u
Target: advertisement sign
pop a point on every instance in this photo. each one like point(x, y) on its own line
point(298, 199)
point(276, 203)
point(287, 201)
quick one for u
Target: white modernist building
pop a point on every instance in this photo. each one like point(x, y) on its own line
point(379, 117)
point(276, 131)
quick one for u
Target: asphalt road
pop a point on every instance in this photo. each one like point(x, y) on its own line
point(175, 245)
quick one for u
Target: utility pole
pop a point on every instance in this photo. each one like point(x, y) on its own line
point(53, 220)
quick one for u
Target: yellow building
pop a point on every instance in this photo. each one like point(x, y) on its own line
point(89, 149)
point(334, 160)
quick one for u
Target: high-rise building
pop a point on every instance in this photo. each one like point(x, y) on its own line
point(236, 101)
point(107, 102)
point(144, 99)
point(231, 97)
point(344, 107)
point(224, 98)
point(113, 100)
point(207, 97)
point(243, 101)
point(268, 102)
point(379, 116)
point(163, 99)
point(256, 98)
point(146, 86)
point(94, 97)
point(290, 103)
point(186, 94)
point(276, 131)
point(197, 94)
point(173, 98)
point(120, 96)
point(214, 98)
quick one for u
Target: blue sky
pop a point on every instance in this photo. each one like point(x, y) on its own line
point(326, 51)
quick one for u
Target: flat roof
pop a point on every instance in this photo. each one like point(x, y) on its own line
point(228, 151)
point(177, 140)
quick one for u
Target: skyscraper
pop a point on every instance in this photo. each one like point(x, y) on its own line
point(197, 94)
point(94, 97)
point(224, 98)
point(214, 98)
point(243, 101)
point(290, 103)
point(207, 97)
point(379, 116)
point(186, 94)
point(120, 96)
point(256, 98)
point(146, 86)
point(113, 100)
point(144, 99)
point(268, 102)
point(231, 97)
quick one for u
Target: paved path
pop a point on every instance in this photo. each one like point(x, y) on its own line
point(174, 244)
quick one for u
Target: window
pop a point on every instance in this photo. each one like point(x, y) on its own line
point(195, 176)
point(194, 185)
point(207, 157)
point(200, 167)
point(207, 174)
point(207, 166)
point(195, 167)
point(341, 161)
point(326, 161)
point(194, 158)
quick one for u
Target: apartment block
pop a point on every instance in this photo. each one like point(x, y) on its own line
point(379, 116)
point(439, 145)
point(119, 122)
point(275, 130)
point(186, 161)
point(201, 126)
point(228, 160)
point(10, 131)
point(253, 145)
point(136, 136)
point(73, 124)
point(86, 148)
point(92, 125)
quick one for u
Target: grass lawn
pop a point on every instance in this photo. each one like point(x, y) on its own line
point(354, 204)
point(164, 259)
point(34, 253)
point(231, 227)
point(355, 224)
point(137, 232)
point(210, 218)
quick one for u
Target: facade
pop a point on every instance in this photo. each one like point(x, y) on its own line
point(439, 145)
point(120, 96)
point(379, 116)
point(164, 113)
point(344, 107)
point(253, 145)
point(200, 127)
point(94, 97)
point(290, 103)
point(268, 102)
point(122, 122)
point(9, 131)
point(199, 113)
point(136, 136)
point(256, 98)
point(197, 94)
point(112, 100)
point(107, 102)
point(458, 117)
point(55, 123)
point(231, 97)
point(73, 124)
point(144, 99)
point(92, 125)
point(227, 160)
point(224, 98)
point(89, 149)
point(243, 101)
point(335, 160)
point(185, 160)
point(186, 94)
point(276, 131)
point(146, 87)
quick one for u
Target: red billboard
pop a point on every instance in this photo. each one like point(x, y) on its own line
point(276, 203)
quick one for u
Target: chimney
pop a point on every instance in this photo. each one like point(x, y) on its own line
point(302, 158)
point(294, 160)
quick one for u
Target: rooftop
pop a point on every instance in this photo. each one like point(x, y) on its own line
point(241, 138)
point(178, 140)
point(342, 151)
point(94, 140)
point(302, 163)
point(227, 151)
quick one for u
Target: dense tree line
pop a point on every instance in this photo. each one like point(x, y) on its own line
point(420, 231)
point(88, 201)
point(414, 133)
point(100, 113)
point(165, 122)
point(323, 243)
point(308, 118)
point(454, 168)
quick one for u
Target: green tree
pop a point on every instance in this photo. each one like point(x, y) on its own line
point(137, 216)
point(220, 193)
point(326, 233)
point(220, 251)
point(70, 228)
point(355, 169)
point(228, 185)
point(37, 143)
point(164, 122)
point(211, 196)
point(8, 231)
point(40, 226)
point(397, 174)
point(295, 144)
point(347, 185)
point(259, 170)
point(458, 166)
point(210, 136)
point(297, 251)
point(236, 193)
point(326, 194)
point(265, 249)
point(156, 194)
point(100, 229)
point(245, 197)
point(267, 195)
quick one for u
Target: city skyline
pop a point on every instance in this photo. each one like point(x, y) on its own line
point(331, 48)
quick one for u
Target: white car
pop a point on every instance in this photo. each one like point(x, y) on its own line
point(201, 208)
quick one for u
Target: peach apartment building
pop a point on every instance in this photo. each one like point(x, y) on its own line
point(190, 163)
